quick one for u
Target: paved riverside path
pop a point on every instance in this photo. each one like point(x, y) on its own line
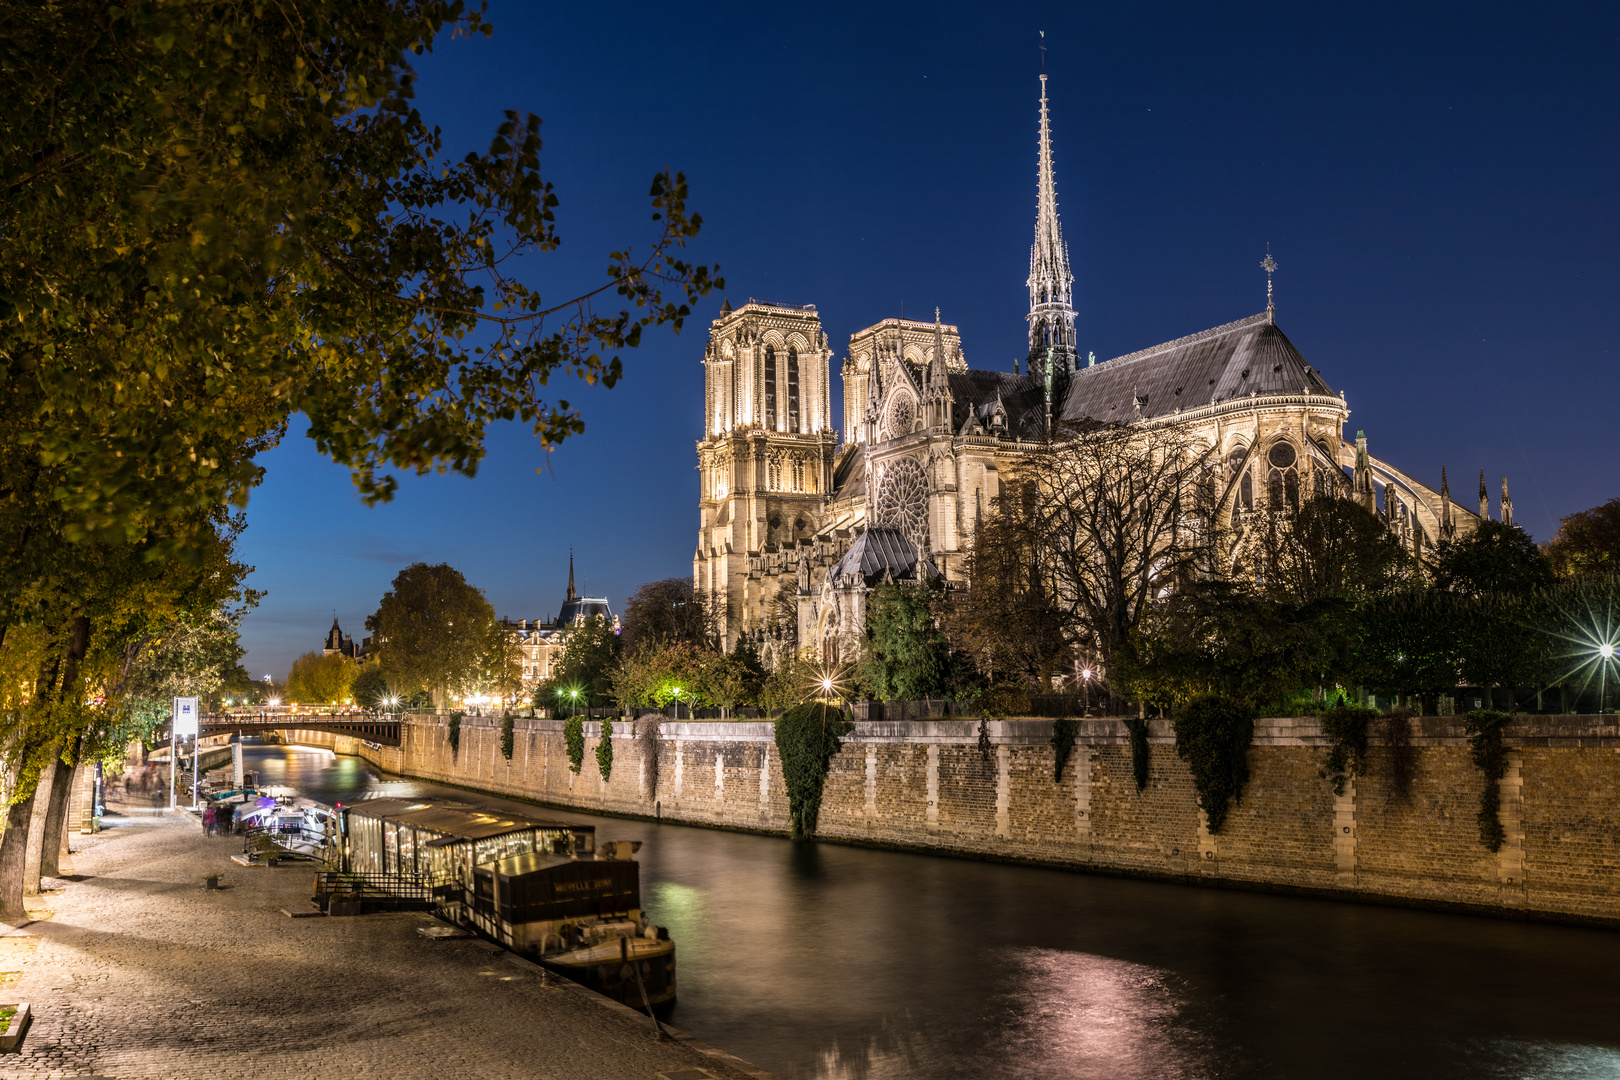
point(140, 972)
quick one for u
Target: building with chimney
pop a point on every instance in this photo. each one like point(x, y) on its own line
point(798, 521)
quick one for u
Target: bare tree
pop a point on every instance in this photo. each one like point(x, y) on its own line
point(1118, 517)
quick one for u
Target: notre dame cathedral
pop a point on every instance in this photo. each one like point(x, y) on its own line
point(799, 521)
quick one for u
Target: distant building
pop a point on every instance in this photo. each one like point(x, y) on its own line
point(541, 642)
point(340, 644)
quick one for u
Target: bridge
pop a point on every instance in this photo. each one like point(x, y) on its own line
point(372, 728)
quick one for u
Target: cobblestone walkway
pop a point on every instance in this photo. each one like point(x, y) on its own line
point(140, 972)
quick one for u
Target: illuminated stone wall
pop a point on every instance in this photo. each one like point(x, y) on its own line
point(928, 786)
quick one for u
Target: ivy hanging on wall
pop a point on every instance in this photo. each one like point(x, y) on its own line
point(1212, 737)
point(574, 742)
point(984, 740)
point(453, 732)
point(1485, 742)
point(507, 736)
point(1402, 758)
point(1138, 729)
point(604, 750)
point(1345, 727)
point(1065, 730)
point(807, 738)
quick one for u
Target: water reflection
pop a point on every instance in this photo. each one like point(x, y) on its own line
point(822, 962)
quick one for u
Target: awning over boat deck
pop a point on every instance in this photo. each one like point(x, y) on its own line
point(455, 822)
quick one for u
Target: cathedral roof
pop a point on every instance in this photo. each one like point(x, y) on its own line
point(977, 394)
point(1248, 356)
point(882, 552)
point(849, 473)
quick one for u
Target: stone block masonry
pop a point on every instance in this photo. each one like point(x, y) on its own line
point(928, 786)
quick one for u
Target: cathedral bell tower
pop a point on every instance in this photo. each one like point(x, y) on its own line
point(1051, 308)
point(766, 459)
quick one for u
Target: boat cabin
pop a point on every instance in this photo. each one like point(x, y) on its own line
point(439, 843)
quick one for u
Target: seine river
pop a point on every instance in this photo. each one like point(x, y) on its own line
point(821, 961)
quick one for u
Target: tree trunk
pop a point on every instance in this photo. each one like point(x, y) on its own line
point(38, 838)
point(50, 856)
point(13, 850)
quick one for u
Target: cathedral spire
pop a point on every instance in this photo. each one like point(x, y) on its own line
point(1269, 265)
point(1507, 504)
point(571, 594)
point(1051, 309)
point(1484, 499)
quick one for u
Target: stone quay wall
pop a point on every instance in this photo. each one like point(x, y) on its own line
point(928, 786)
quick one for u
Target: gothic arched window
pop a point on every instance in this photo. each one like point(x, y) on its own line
point(793, 388)
point(1282, 485)
point(770, 388)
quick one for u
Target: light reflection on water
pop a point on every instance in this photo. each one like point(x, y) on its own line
point(822, 962)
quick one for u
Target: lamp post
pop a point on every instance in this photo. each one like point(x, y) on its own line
point(1606, 653)
point(1085, 679)
point(575, 695)
point(677, 693)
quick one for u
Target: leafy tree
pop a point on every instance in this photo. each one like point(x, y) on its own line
point(1007, 620)
point(433, 632)
point(668, 610)
point(584, 672)
point(1223, 639)
point(321, 680)
point(1493, 558)
point(1330, 548)
point(1587, 543)
point(370, 688)
point(1407, 642)
point(907, 656)
point(219, 215)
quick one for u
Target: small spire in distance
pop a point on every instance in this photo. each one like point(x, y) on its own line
point(1269, 265)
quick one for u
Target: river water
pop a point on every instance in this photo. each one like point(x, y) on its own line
point(823, 961)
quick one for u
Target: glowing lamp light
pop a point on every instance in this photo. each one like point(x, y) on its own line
point(826, 684)
point(1086, 674)
point(1606, 650)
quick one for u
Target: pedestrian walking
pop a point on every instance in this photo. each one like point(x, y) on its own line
point(210, 819)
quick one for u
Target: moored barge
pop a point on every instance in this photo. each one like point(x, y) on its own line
point(543, 889)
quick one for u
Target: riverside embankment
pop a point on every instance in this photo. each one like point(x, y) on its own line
point(1406, 831)
point(138, 971)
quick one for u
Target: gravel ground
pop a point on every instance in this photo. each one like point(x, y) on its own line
point(136, 971)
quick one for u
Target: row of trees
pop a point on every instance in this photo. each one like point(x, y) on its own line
point(217, 217)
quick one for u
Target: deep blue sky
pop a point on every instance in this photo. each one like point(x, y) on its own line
point(1437, 184)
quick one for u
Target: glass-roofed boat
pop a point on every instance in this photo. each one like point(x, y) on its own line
point(543, 889)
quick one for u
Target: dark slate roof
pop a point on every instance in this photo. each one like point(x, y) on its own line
point(1226, 362)
point(587, 606)
point(878, 551)
point(975, 393)
point(849, 473)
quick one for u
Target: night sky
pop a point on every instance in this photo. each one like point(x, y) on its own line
point(1438, 187)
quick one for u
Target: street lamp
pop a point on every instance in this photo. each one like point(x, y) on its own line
point(677, 693)
point(1085, 677)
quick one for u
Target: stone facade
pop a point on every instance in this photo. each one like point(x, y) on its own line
point(927, 786)
point(926, 440)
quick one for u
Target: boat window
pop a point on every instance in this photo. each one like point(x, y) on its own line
point(390, 861)
point(407, 850)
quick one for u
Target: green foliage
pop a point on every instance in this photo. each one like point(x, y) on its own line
point(1406, 641)
point(1494, 558)
point(574, 742)
point(1328, 549)
point(1226, 639)
point(218, 216)
point(584, 673)
point(604, 750)
point(1485, 745)
point(907, 656)
point(1065, 730)
point(807, 737)
point(1587, 543)
point(452, 732)
point(508, 737)
point(433, 631)
point(1346, 729)
point(984, 739)
point(1212, 737)
point(1141, 759)
point(320, 680)
point(370, 687)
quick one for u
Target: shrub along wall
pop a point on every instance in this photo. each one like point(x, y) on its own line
point(931, 786)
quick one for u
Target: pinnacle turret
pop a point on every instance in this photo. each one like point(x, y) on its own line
point(1051, 308)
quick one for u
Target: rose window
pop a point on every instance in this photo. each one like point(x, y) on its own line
point(902, 501)
point(901, 414)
